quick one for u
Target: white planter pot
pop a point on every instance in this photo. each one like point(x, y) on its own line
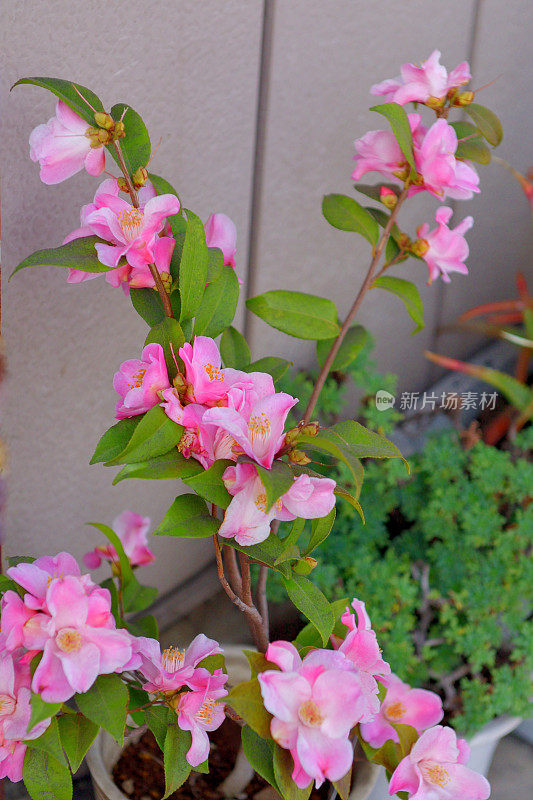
point(482, 747)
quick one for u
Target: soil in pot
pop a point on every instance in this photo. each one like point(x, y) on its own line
point(139, 772)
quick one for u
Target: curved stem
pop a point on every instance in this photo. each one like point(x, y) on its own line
point(354, 309)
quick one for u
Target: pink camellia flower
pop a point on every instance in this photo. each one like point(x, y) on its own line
point(131, 529)
point(402, 705)
point(37, 576)
point(247, 518)
point(361, 647)
point(62, 147)
point(138, 382)
point(259, 430)
point(434, 770)
point(315, 702)
point(174, 668)
point(378, 151)
point(18, 624)
point(443, 175)
point(82, 642)
point(420, 83)
point(201, 711)
point(220, 232)
point(445, 249)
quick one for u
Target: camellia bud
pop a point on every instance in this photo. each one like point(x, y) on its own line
point(139, 177)
point(388, 197)
point(122, 184)
point(311, 429)
point(436, 103)
point(166, 280)
point(305, 565)
point(179, 382)
point(119, 130)
point(404, 241)
point(420, 247)
point(104, 137)
point(292, 435)
point(104, 120)
point(463, 99)
point(401, 174)
point(299, 457)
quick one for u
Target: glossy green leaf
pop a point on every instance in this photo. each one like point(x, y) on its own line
point(234, 349)
point(45, 777)
point(193, 267)
point(374, 190)
point(352, 344)
point(406, 291)
point(470, 144)
point(7, 584)
point(219, 304)
point(208, 483)
point(283, 769)
point(137, 597)
point(189, 518)
point(162, 186)
point(137, 698)
point(330, 443)
point(106, 704)
point(169, 335)
point(177, 744)
point(49, 742)
point(157, 718)
point(171, 465)
point(304, 316)
point(115, 440)
point(382, 218)
point(407, 736)
point(144, 626)
point(487, 122)
point(353, 501)
point(215, 263)
point(310, 637)
point(364, 443)
point(79, 254)
point(401, 129)
point(155, 435)
point(258, 662)
point(312, 603)
point(259, 753)
point(148, 305)
point(135, 145)
point(246, 700)
point(320, 530)
point(266, 552)
point(66, 91)
point(346, 214)
point(77, 735)
point(41, 710)
point(276, 480)
point(275, 366)
point(113, 539)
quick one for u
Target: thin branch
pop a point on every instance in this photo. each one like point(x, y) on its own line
point(262, 601)
point(232, 568)
point(354, 309)
point(246, 579)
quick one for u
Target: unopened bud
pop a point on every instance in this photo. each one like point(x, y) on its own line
point(311, 429)
point(436, 103)
point(166, 280)
point(139, 177)
point(305, 565)
point(463, 99)
point(119, 130)
point(420, 247)
point(299, 457)
point(123, 184)
point(179, 382)
point(292, 435)
point(388, 197)
point(402, 174)
point(103, 136)
point(404, 241)
point(104, 120)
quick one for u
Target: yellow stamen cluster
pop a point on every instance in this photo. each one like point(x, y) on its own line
point(69, 640)
point(309, 714)
point(7, 705)
point(136, 380)
point(173, 659)
point(436, 774)
point(131, 221)
point(259, 425)
point(206, 712)
point(394, 711)
point(213, 373)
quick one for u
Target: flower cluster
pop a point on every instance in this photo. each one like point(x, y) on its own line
point(226, 413)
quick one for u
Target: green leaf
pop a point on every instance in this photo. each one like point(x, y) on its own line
point(329, 442)
point(77, 735)
point(66, 92)
point(41, 710)
point(169, 335)
point(135, 146)
point(162, 186)
point(312, 603)
point(157, 720)
point(212, 663)
point(218, 305)
point(7, 584)
point(45, 777)
point(137, 597)
point(276, 480)
point(346, 214)
point(283, 769)
point(215, 263)
point(259, 753)
point(79, 254)
point(234, 349)
point(106, 704)
point(304, 316)
point(320, 530)
point(14, 561)
point(407, 292)
point(209, 484)
point(309, 636)
point(407, 736)
point(344, 785)
point(115, 439)
point(177, 744)
point(193, 267)
point(374, 191)
point(473, 147)
point(49, 742)
point(275, 366)
point(155, 435)
point(188, 518)
point(352, 344)
point(365, 443)
point(487, 122)
point(401, 129)
point(258, 662)
point(144, 626)
point(352, 501)
point(266, 552)
point(382, 218)
point(148, 305)
point(246, 700)
point(137, 698)
point(112, 537)
point(170, 465)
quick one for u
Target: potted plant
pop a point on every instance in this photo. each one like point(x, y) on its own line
point(74, 660)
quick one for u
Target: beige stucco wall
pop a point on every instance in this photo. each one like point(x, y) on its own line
point(191, 68)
